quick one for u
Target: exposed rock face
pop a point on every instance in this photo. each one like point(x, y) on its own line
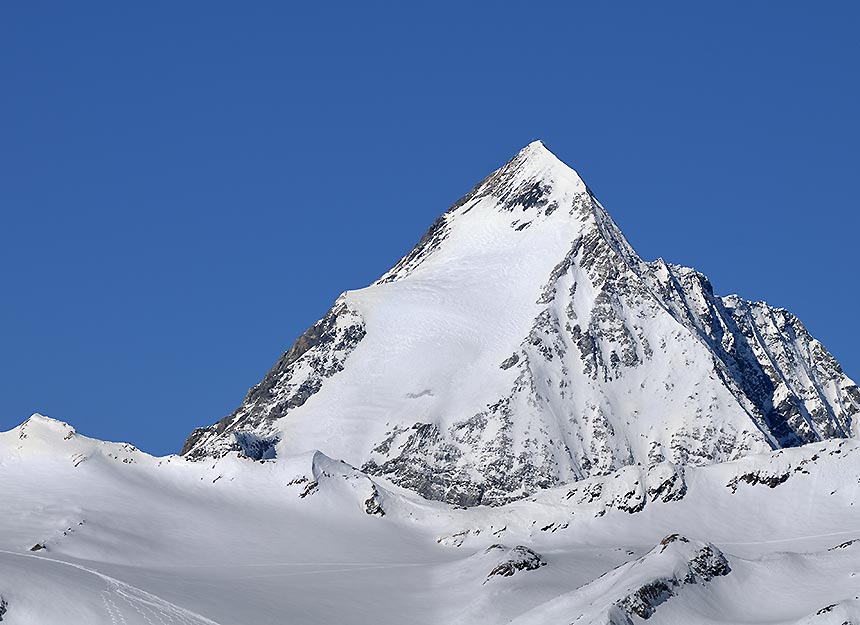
point(797, 387)
point(523, 344)
point(316, 355)
point(630, 489)
point(776, 469)
point(373, 504)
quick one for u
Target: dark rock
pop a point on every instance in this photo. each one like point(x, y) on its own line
point(845, 545)
point(519, 558)
point(643, 602)
point(671, 538)
point(758, 477)
point(673, 488)
point(309, 489)
point(510, 362)
point(705, 564)
point(373, 504)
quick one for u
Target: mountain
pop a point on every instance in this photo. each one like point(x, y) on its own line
point(522, 345)
point(647, 450)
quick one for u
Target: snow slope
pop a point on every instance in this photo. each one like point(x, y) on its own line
point(133, 539)
point(523, 345)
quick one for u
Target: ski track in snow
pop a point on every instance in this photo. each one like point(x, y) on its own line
point(266, 565)
point(343, 570)
point(146, 604)
point(795, 538)
point(135, 597)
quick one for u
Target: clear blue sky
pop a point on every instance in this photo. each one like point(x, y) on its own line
point(186, 186)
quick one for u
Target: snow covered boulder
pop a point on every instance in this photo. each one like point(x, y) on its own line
point(665, 482)
point(512, 561)
point(314, 472)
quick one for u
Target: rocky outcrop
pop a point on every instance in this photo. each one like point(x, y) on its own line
point(704, 564)
point(630, 489)
point(778, 468)
point(636, 590)
point(373, 504)
point(512, 561)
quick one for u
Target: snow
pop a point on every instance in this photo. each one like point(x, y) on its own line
point(130, 538)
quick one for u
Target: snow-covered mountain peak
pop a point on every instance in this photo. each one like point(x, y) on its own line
point(536, 162)
point(534, 177)
point(537, 156)
point(523, 344)
point(529, 211)
point(537, 147)
point(44, 428)
point(44, 436)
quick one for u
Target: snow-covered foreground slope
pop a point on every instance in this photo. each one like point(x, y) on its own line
point(133, 539)
point(523, 345)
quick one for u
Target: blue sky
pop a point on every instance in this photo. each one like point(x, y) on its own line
point(185, 187)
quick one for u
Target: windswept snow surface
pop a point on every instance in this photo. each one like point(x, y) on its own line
point(133, 539)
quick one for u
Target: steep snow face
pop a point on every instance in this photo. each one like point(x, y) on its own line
point(523, 344)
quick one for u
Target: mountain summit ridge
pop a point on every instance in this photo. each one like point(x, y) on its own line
point(523, 344)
